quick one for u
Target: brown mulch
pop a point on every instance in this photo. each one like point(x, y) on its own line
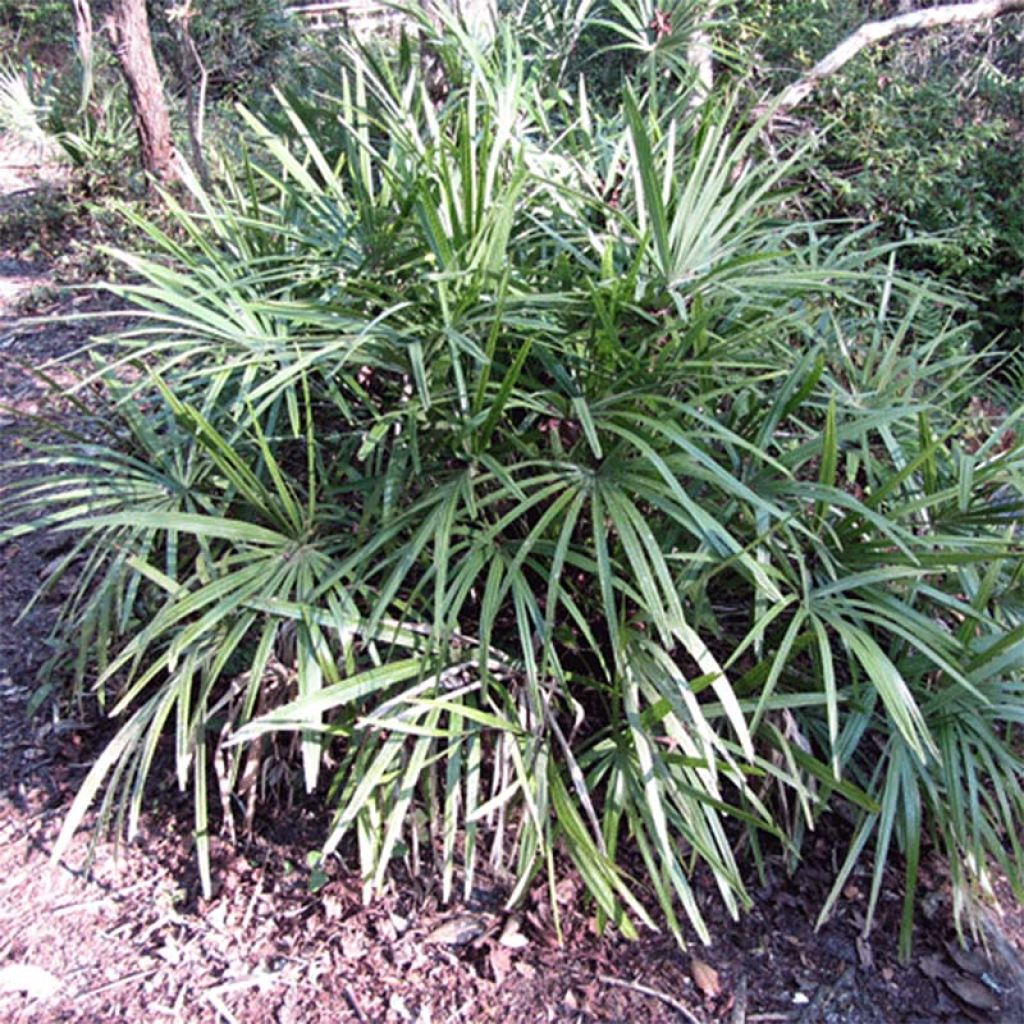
point(132, 940)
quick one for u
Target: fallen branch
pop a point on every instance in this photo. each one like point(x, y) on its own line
point(877, 32)
point(646, 990)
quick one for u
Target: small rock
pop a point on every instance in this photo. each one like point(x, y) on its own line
point(170, 953)
point(458, 931)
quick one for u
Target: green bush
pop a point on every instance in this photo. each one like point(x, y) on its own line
point(529, 466)
point(42, 106)
point(38, 29)
point(244, 47)
point(924, 140)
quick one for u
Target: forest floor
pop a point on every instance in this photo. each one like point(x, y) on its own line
point(132, 939)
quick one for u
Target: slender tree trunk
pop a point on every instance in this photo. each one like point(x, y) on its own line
point(196, 80)
point(127, 27)
point(431, 65)
point(83, 44)
point(699, 53)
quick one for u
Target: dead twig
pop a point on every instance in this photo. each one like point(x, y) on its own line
point(117, 982)
point(221, 1007)
point(654, 993)
point(353, 1005)
point(739, 1007)
point(262, 980)
point(93, 904)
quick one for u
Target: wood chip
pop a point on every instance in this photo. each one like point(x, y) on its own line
point(396, 1004)
point(501, 963)
point(933, 966)
point(221, 1007)
point(968, 960)
point(511, 936)
point(706, 978)
point(457, 931)
point(972, 992)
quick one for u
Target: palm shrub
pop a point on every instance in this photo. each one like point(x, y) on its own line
point(526, 464)
point(25, 101)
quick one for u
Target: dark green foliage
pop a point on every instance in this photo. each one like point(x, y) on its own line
point(244, 46)
point(925, 139)
point(938, 153)
point(41, 29)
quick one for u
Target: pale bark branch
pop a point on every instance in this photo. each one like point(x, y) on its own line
point(699, 54)
point(878, 31)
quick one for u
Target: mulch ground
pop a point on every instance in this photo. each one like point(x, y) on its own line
point(132, 940)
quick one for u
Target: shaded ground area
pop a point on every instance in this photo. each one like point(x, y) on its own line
point(133, 941)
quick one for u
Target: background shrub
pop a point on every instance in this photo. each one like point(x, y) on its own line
point(40, 29)
point(245, 47)
point(925, 139)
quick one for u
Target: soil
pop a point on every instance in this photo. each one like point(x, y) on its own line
point(132, 940)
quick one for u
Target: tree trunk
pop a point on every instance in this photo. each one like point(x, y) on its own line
point(479, 17)
point(431, 65)
point(127, 27)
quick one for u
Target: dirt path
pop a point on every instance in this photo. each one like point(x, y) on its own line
point(132, 941)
